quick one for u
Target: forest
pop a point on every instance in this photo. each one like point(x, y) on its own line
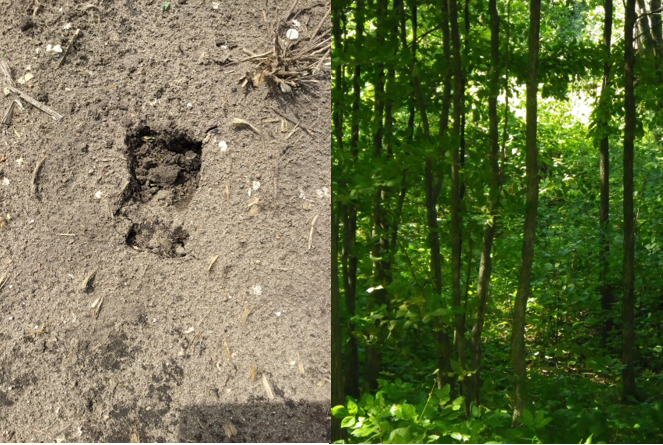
point(497, 211)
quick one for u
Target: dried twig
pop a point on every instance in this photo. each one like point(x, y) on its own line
point(9, 114)
point(317, 28)
point(6, 71)
point(66, 51)
point(294, 121)
point(35, 174)
point(56, 116)
point(292, 8)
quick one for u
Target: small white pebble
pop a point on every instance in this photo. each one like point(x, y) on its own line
point(229, 297)
point(189, 105)
point(256, 185)
point(11, 318)
point(99, 194)
point(154, 320)
point(36, 326)
point(296, 23)
point(31, 221)
point(278, 314)
point(292, 34)
point(223, 146)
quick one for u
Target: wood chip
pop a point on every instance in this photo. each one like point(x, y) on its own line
point(247, 311)
point(211, 263)
point(3, 280)
point(135, 438)
point(229, 429)
point(268, 388)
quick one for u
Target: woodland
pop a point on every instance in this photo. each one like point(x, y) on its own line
point(497, 211)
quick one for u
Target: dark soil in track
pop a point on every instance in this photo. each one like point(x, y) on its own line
point(208, 316)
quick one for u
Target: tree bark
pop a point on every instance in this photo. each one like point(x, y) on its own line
point(531, 207)
point(607, 295)
point(628, 322)
point(485, 265)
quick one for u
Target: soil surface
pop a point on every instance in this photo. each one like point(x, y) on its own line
point(164, 274)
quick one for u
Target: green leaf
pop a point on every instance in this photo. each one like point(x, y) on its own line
point(340, 411)
point(165, 7)
point(400, 435)
point(352, 407)
point(348, 422)
point(527, 418)
point(513, 433)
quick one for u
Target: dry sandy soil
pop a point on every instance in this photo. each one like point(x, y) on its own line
point(135, 182)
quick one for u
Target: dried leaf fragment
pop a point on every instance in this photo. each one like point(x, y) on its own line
point(89, 279)
point(268, 388)
point(247, 311)
point(229, 429)
point(98, 309)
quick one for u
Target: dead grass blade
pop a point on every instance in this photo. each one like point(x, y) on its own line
point(267, 387)
point(247, 311)
point(211, 263)
point(241, 123)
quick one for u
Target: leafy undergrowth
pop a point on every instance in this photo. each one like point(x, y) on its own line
point(566, 407)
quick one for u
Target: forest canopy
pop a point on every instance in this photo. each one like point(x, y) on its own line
point(497, 190)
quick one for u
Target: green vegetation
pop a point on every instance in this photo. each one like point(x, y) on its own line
point(497, 214)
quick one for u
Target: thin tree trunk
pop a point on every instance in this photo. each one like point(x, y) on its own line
point(607, 295)
point(628, 322)
point(380, 248)
point(657, 24)
point(531, 207)
point(338, 386)
point(350, 224)
point(456, 223)
point(485, 266)
point(443, 344)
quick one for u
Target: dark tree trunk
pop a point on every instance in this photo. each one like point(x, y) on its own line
point(628, 322)
point(456, 222)
point(380, 250)
point(607, 295)
point(485, 266)
point(338, 386)
point(531, 207)
point(350, 224)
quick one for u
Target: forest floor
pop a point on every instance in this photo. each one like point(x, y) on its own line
point(164, 274)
